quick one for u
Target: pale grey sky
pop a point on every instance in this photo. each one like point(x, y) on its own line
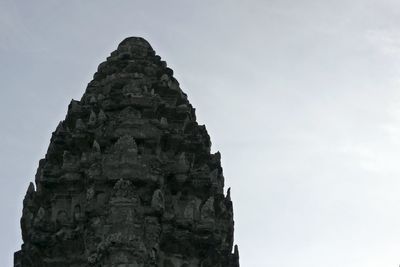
point(302, 98)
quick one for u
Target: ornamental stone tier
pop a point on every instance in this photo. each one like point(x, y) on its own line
point(128, 179)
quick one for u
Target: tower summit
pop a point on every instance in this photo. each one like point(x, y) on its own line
point(128, 178)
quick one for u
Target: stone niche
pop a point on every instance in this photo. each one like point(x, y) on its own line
point(67, 208)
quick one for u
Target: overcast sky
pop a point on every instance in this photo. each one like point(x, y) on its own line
point(301, 97)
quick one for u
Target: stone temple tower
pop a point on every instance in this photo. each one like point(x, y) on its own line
point(128, 179)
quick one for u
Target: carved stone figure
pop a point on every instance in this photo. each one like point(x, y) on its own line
point(128, 179)
point(157, 201)
point(92, 119)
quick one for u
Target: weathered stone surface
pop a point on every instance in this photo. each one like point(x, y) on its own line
point(128, 179)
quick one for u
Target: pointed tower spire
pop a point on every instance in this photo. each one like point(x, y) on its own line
point(128, 178)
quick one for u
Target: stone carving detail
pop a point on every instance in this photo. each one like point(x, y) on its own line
point(128, 179)
point(157, 201)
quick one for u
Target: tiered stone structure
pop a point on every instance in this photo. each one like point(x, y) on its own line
point(128, 179)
